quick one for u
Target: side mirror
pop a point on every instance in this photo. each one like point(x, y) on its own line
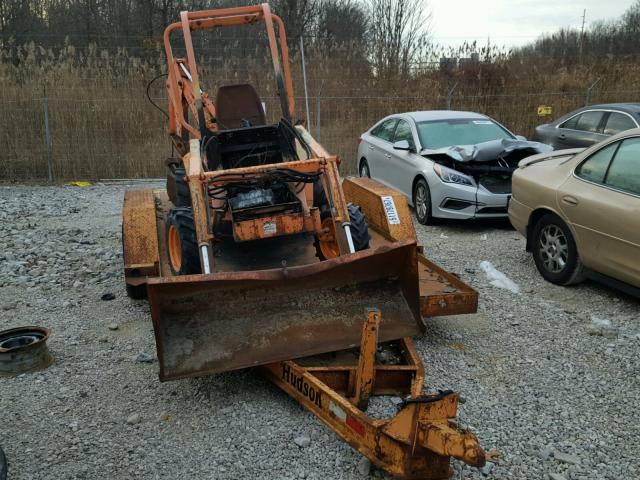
point(521, 137)
point(401, 145)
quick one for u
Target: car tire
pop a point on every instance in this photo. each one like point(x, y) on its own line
point(422, 202)
point(555, 253)
point(364, 169)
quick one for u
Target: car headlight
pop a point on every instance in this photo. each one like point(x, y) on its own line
point(448, 175)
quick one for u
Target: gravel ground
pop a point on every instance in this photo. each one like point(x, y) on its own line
point(541, 384)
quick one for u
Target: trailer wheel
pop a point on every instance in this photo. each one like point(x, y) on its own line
point(326, 243)
point(182, 245)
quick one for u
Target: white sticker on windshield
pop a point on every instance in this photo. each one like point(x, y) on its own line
point(482, 122)
point(390, 210)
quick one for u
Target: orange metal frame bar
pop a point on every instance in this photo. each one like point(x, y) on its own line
point(304, 166)
point(207, 19)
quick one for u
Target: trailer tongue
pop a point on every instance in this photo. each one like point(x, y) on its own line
point(414, 443)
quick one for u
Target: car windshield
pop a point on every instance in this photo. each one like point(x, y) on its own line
point(436, 134)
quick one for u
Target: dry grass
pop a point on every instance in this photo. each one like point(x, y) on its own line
point(102, 125)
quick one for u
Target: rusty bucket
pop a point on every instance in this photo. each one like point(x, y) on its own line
point(230, 320)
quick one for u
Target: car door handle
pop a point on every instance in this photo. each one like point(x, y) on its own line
point(387, 155)
point(562, 136)
point(569, 200)
point(370, 147)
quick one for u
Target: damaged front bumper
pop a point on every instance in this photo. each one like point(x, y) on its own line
point(465, 202)
point(489, 166)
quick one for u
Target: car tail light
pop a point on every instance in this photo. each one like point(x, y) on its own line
point(359, 140)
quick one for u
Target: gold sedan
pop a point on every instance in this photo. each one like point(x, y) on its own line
point(580, 212)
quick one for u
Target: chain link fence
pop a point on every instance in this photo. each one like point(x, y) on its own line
point(61, 139)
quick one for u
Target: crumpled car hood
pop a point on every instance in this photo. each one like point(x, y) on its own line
point(487, 151)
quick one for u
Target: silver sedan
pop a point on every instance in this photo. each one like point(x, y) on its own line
point(448, 164)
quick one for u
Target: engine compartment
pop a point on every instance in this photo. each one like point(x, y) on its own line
point(275, 197)
point(491, 164)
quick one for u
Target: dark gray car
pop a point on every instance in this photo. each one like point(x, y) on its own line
point(589, 125)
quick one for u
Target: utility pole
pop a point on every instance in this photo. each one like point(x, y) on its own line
point(584, 16)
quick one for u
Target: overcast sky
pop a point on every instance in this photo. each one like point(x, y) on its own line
point(513, 22)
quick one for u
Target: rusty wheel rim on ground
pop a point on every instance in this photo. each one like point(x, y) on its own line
point(175, 248)
point(24, 349)
point(328, 244)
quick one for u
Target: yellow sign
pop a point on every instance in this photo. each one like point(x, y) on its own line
point(80, 184)
point(544, 110)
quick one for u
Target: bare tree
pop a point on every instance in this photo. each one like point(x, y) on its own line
point(21, 17)
point(399, 31)
point(604, 37)
point(342, 22)
point(297, 15)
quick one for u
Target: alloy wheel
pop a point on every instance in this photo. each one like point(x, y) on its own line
point(553, 248)
point(421, 201)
